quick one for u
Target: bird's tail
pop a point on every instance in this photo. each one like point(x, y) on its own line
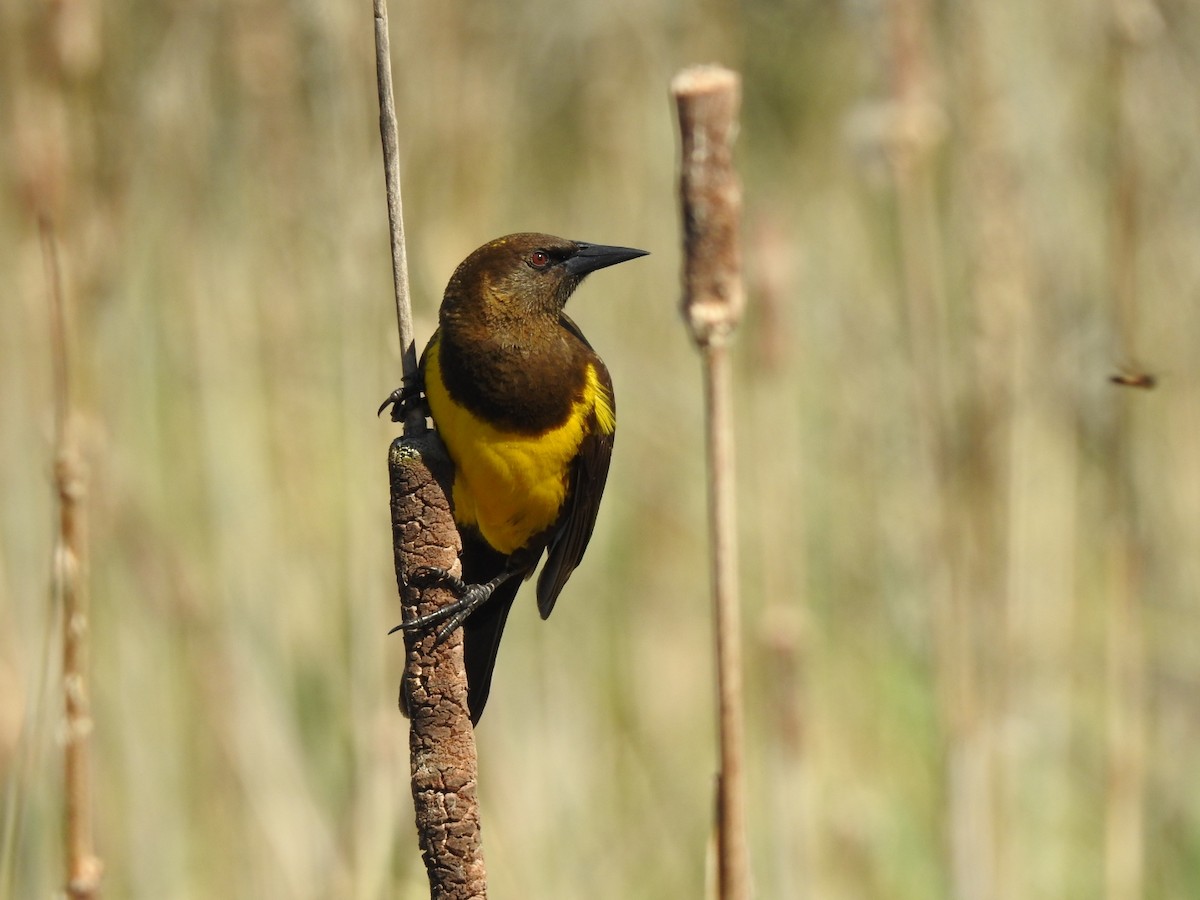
point(483, 628)
point(481, 640)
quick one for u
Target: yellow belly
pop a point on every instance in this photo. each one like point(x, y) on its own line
point(510, 486)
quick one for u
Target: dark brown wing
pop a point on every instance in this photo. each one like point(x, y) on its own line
point(574, 527)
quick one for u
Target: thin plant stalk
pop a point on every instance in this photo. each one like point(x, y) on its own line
point(707, 100)
point(389, 136)
point(84, 867)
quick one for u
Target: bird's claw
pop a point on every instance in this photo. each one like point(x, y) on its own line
point(468, 598)
point(404, 399)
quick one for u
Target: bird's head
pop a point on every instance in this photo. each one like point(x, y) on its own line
point(520, 276)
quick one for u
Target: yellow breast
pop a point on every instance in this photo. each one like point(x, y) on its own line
point(509, 485)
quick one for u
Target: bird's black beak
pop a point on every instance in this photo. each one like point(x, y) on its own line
point(590, 257)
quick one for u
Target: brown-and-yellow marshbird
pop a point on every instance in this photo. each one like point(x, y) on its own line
point(525, 408)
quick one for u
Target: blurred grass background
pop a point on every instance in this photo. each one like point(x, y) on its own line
point(971, 568)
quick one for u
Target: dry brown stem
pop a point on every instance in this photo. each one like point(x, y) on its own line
point(388, 134)
point(708, 99)
point(84, 868)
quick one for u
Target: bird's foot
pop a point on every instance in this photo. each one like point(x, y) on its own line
point(468, 598)
point(404, 400)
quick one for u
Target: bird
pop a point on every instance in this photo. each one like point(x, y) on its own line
point(525, 408)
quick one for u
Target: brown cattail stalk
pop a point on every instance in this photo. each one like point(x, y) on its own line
point(434, 693)
point(708, 98)
point(84, 868)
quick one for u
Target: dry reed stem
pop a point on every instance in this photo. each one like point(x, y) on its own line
point(708, 99)
point(434, 692)
point(84, 867)
point(388, 134)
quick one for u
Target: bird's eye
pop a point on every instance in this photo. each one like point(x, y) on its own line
point(539, 259)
